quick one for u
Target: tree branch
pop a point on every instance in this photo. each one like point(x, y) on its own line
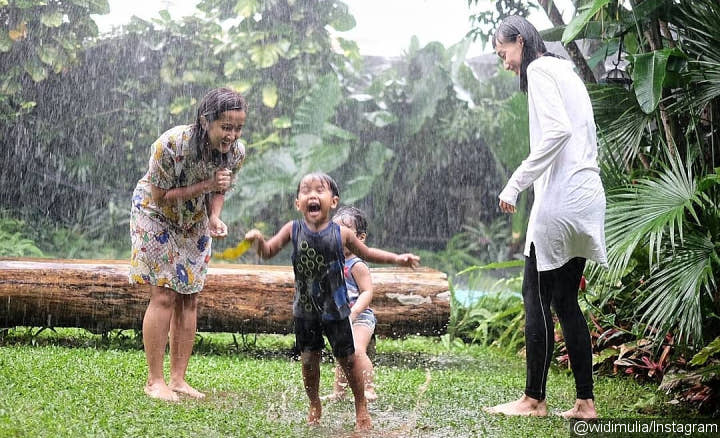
point(573, 50)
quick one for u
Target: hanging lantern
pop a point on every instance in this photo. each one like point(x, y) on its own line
point(617, 76)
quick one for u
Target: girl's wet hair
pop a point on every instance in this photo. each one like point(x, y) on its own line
point(325, 178)
point(353, 215)
point(213, 104)
point(509, 30)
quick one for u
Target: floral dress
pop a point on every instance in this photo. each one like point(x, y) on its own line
point(171, 243)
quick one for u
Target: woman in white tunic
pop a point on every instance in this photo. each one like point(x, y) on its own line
point(566, 225)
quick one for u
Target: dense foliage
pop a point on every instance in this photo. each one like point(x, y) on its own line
point(401, 135)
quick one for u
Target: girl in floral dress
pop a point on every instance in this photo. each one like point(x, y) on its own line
point(175, 214)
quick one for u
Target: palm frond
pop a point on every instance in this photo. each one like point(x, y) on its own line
point(676, 286)
point(697, 23)
point(647, 212)
point(620, 120)
point(705, 79)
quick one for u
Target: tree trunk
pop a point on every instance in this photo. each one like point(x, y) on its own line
point(96, 295)
point(572, 48)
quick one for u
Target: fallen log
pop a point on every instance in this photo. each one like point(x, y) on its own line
point(96, 295)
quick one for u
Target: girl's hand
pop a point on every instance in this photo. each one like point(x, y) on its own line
point(408, 260)
point(506, 207)
point(218, 229)
point(221, 180)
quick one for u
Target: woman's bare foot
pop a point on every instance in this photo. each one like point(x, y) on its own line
point(525, 406)
point(583, 409)
point(335, 396)
point(314, 413)
point(363, 422)
point(184, 388)
point(161, 391)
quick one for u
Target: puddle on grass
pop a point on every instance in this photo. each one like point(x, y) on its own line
point(423, 360)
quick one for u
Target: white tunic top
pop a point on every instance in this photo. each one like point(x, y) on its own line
point(568, 215)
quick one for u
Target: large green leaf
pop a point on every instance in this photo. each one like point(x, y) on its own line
point(269, 95)
point(48, 54)
point(330, 130)
point(265, 55)
point(324, 158)
point(648, 76)
point(99, 7)
point(578, 23)
point(246, 8)
point(430, 85)
point(381, 118)
point(366, 174)
point(341, 19)
point(52, 19)
point(36, 69)
point(5, 41)
point(318, 105)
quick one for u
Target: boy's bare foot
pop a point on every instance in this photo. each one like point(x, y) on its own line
point(525, 406)
point(161, 391)
point(363, 421)
point(184, 388)
point(370, 395)
point(314, 413)
point(583, 409)
point(335, 396)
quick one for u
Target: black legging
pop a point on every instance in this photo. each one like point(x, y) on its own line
point(559, 288)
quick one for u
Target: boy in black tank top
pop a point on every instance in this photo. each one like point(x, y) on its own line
point(320, 304)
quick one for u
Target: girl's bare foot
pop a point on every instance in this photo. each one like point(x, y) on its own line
point(315, 413)
point(525, 406)
point(583, 409)
point(161, 391)
point(335, 396)
point(184, 388)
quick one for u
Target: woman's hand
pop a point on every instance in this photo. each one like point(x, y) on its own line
point(218, 229)
point(221, 180)
point(506, 207)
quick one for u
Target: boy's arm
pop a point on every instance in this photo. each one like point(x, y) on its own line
point(268, 248)
point(375, 255)
point(361, 274)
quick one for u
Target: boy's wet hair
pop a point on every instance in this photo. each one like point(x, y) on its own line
point(325, 178)
point(353, 214)
point(212, 105)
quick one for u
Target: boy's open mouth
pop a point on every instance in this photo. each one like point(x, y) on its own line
point(313, 207)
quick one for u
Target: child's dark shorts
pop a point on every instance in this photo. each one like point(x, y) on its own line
point(309, 335)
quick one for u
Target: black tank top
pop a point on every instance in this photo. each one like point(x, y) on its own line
point(318, 263)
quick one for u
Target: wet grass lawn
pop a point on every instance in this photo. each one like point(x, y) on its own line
point(75, 384)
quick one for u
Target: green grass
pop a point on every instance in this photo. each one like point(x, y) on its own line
point(73, 383)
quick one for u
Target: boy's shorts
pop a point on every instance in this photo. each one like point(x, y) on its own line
point(309, 335)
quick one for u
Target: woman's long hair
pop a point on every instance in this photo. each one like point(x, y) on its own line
point(213, 104)
point(533, 47)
